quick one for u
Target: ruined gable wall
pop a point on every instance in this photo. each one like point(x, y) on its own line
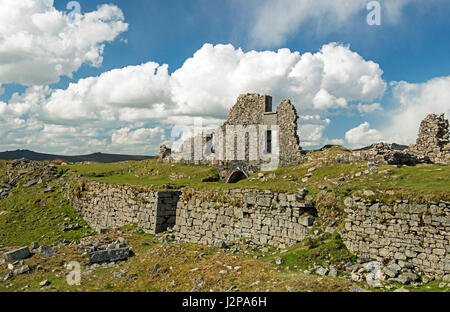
point(248, 110)
point(289, 141)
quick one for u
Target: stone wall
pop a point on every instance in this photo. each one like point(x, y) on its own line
point(433, 140)
point(290, 150)
point(418, 234)
point(105, 205)
point(222, 216)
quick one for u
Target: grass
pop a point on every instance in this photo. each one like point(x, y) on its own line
point(33, 215)
point(181, 266)
point(325, 250)
point(3, 171)
point(433, 180)
point(147, 172)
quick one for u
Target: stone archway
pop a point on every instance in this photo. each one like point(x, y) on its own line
point(236, 175)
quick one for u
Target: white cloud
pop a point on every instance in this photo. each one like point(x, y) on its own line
point(206, 86)
point(38, 44)
point(271, 22)
point(416, 101)
point(334, 141)
point(369, 108)
point(129, 94)
point(324, 100)
point(142, 136)
point(2, 108)
point(362, 136)
point(210, 81)
point(311, 130)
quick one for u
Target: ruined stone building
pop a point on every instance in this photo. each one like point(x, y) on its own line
point(253, 138)
point(256, 138)
point(432, 143)
point(432, 146)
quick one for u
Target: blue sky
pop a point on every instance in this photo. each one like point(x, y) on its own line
point(411, 45)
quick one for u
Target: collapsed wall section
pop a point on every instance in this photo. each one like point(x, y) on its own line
point(104, 205)
point(433, 140)
point(222, 216)
point(418, 234)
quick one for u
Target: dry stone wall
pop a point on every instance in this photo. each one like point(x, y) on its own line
point(418, 234)
point(264, 217)
point(105, 205)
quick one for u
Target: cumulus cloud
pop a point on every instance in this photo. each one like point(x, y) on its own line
point(324, 100)
point(362, 136)
point(369, 108)
point(416, 100)
point(39, 44)
point(311, 130)
point(128, 136)
point(271, 22)
point(131, 93)
point(206, 86)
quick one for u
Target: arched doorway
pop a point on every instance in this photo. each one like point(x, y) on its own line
point(236, 175)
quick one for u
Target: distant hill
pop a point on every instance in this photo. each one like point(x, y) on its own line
point(395, 146)
point(96, 157)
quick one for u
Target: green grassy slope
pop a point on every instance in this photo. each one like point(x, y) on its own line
point(341, 178)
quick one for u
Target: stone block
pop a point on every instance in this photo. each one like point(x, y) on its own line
point(17, 254)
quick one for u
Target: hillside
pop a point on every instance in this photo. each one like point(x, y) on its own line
point(36, 209)
point(95, 157)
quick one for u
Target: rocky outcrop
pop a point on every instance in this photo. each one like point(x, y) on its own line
point(164, 154)
point(379, 153)
point(432, 146)
point(4, 190)
point(417, 234)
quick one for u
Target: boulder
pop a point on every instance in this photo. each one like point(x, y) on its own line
point(321, 271)
point(392, 270)
point(46, 251)
point(406, 278)
point(23, 269)
point(333, 271)
point(357, 289)
point(17, 254)
point(109, 255)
